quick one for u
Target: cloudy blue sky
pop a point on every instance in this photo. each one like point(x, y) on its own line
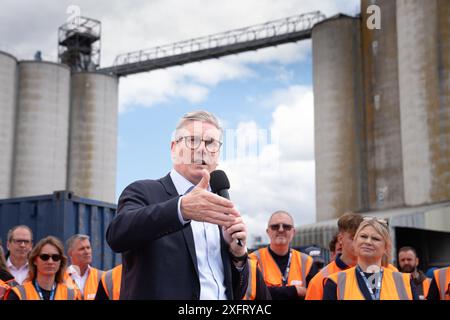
point(264, 96)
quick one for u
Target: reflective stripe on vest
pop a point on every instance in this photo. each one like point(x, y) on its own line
point(70, 294)
point(400, 285)
point(23, 292)
point(27, 291)
point(342, 279)
point(299, 268)
point(304, 259)
point(109, 283)
point(250, 293)
point(442, 274)
point(325, 271)
point(395, 285)
point(258, 258)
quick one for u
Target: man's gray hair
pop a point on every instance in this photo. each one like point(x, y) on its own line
point(70, 242)
point(198, 115)
point(281, 212)
point(20, 226)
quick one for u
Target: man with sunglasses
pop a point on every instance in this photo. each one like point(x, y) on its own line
point(20, 243)
point(178, 240)
point(286, 271)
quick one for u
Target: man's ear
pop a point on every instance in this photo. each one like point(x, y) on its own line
point(340, 237)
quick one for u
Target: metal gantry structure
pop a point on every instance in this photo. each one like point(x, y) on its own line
point(79, 44)
point(254, 37)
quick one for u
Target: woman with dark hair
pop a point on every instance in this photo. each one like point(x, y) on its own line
point(47, 264)
point(371, 278)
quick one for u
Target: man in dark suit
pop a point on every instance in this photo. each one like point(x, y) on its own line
point(177, 239)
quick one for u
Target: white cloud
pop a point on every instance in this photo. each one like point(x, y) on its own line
point(129, 26)
point(282, 174)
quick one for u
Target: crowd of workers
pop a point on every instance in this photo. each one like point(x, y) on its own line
point(359, 267)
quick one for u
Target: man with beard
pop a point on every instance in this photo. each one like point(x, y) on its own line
point(408, 263)
point(286, 271)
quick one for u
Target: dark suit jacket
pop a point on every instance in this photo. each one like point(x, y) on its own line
point(158, 252)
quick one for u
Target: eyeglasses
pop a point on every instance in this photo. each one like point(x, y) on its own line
point(379, 220)
point(20, 241)
point(45, 257)
point(275, 227)
point(193, 142)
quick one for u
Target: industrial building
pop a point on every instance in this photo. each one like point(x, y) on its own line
point(59, 121)
point(382, 123)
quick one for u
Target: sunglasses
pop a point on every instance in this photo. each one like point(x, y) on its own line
point(383, 222)
point(45, 257)
point(275, 227)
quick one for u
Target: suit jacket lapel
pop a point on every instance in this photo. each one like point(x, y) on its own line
point(187, 230)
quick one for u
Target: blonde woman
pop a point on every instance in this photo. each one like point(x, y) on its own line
point(47, 264)
point(370, 279)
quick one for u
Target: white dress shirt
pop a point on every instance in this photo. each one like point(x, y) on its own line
point(19, 274)
point(207, 248)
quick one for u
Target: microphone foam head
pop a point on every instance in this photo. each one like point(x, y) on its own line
point(218, 181)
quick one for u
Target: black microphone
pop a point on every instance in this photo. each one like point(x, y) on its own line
point(219, 185)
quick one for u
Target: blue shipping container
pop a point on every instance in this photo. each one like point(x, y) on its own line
point(62, 214)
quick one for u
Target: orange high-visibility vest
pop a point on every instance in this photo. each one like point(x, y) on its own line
point(111, 281)
point(394, 285)
point(425, 286)
point(27, 291)
point(300, 266)
point(250, 294)
point(442, 278)
point(392, 267)
point(315, 286)
point(91, 285)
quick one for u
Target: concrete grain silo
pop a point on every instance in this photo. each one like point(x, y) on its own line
point(338, 117)
point(423, 29)
point(8, 94)
point(382, 107)
point(40, 156)
point(93, 136)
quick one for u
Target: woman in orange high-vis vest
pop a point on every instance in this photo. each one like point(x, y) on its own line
point(45, 278)
point(369, 279)
point(440, 285)
point(348, 224)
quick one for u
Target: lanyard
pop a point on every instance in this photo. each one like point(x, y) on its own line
point(39, 291)
point(369, 285)
point(288, 267)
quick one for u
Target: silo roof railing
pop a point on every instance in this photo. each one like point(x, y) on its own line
point(271, 33)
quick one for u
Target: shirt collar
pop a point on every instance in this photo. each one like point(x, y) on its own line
point(341, 264)
point(181, 183)
point(72, 270)
point(10, 265)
